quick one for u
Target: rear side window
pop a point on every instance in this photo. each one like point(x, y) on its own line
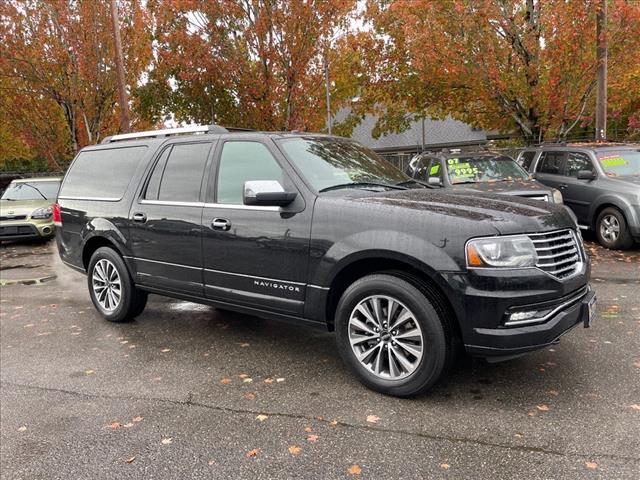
point(526, 158)
point(577, 161)
point(551, 162)
point(242, 162)
point(102, 174)
point(177, 175)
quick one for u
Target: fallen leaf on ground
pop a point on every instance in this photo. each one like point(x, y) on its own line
point(130, 459)
point(636, 406)
point(555, 393)
point(261, 417)
point(252, 453)
point(591, 465)
point(333, 423)
point(167, 441)
point(244, 345)
point(250, 396)
point(354, 470)
point(137, 419)
point(294, 450)
point(225, 381)
point(308, 429)
point(115, 425)
point(247, 380)
point(445, 466)
point(211, 462)
point(89, 372)
point(268, 380)
point(128, 425)
point(165, 350)
point(542, 408)
point(243, 375)
point(312, 438)
point(22, 428)
point(279, 380)
point(373, 418)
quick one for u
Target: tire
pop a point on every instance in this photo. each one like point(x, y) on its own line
point(115, 305)
point(428, 324)
point(612, 230)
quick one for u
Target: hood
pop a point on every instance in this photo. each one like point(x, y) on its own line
point(13, 208)
point(508, 187)
point(626, 179)
point(506, 215)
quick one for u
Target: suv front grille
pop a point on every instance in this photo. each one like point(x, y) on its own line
point(558, 252)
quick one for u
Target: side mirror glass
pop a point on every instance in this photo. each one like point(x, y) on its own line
point(266, 193)
point(435, 181)
point(586, 175)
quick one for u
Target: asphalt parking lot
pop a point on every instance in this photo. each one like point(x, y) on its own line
point(187, 391)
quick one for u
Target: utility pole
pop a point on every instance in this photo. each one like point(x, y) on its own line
point(326, 82)
point(601, 53)
point(125, 125)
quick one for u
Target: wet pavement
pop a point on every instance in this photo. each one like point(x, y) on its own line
point(187, 391)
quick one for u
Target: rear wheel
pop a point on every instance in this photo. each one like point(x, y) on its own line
point(112, 291)
point(612, 230)
point(392, 336)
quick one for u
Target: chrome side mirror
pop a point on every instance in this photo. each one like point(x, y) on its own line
point(267, 193)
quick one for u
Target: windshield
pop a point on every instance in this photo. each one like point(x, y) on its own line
point(329, 162)
point(484, 169)
point(32, 191)
point(620, 162)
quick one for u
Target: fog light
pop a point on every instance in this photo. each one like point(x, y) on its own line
point(516, 317)
point(526, 317)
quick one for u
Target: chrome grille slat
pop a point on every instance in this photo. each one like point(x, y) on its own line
point(558, 252)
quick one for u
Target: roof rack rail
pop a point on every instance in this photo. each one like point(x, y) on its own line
point(165, 133)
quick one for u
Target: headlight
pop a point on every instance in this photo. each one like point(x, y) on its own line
point(508, 252)
point(44, 212)
point(557, 196)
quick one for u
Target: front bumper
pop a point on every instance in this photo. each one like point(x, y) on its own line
point(485, 299)
point(27, 229)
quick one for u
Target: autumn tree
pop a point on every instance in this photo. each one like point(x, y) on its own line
point(246, 63)
point(62, 51)
point(508, 64)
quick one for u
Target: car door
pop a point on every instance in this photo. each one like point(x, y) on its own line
point(166, 220)
point(550, 169)
point(578, 194)
point(254, 256)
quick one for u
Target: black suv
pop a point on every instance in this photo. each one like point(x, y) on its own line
point(599, 182)
point(480, 171)
point(319, 230)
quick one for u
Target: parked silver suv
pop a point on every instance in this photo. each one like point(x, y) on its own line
point(599, 182)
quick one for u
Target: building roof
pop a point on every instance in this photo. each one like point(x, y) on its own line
point(436, 133)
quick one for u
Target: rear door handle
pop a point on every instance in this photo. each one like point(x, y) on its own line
point(139, 217)
point(221, 224)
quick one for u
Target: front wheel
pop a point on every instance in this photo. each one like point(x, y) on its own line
point(612, 229)
point(112, 291)
point(392, 336)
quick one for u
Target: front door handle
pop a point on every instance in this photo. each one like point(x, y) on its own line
point(562, 186)
point(221, 224)
point(139, 217)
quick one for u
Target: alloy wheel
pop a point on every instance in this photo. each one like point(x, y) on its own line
point(385, 337)
point(107, 287)
point(610, 228)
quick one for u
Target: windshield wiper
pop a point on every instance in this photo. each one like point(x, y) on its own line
point(407, 182)
point(36, 189)
point(362, 184)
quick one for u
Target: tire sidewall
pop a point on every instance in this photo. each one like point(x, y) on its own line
point(434, 357)
point(121, 311)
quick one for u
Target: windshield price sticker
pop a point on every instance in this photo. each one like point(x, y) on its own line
point(434, 170)
point(453, 161)
point(464, 170)
point(613, 162)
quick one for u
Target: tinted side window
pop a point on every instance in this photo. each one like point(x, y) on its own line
point(183, 172)
point(104, 173)
point(153, 187)
point(577, 161)
point(526, 158)
point(241, 162)
point(551, 162)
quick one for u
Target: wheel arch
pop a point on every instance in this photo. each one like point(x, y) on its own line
point(423, 277)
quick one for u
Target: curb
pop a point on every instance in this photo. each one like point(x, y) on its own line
point(27, 281)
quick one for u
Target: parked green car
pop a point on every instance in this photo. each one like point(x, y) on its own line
point(26, 209)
